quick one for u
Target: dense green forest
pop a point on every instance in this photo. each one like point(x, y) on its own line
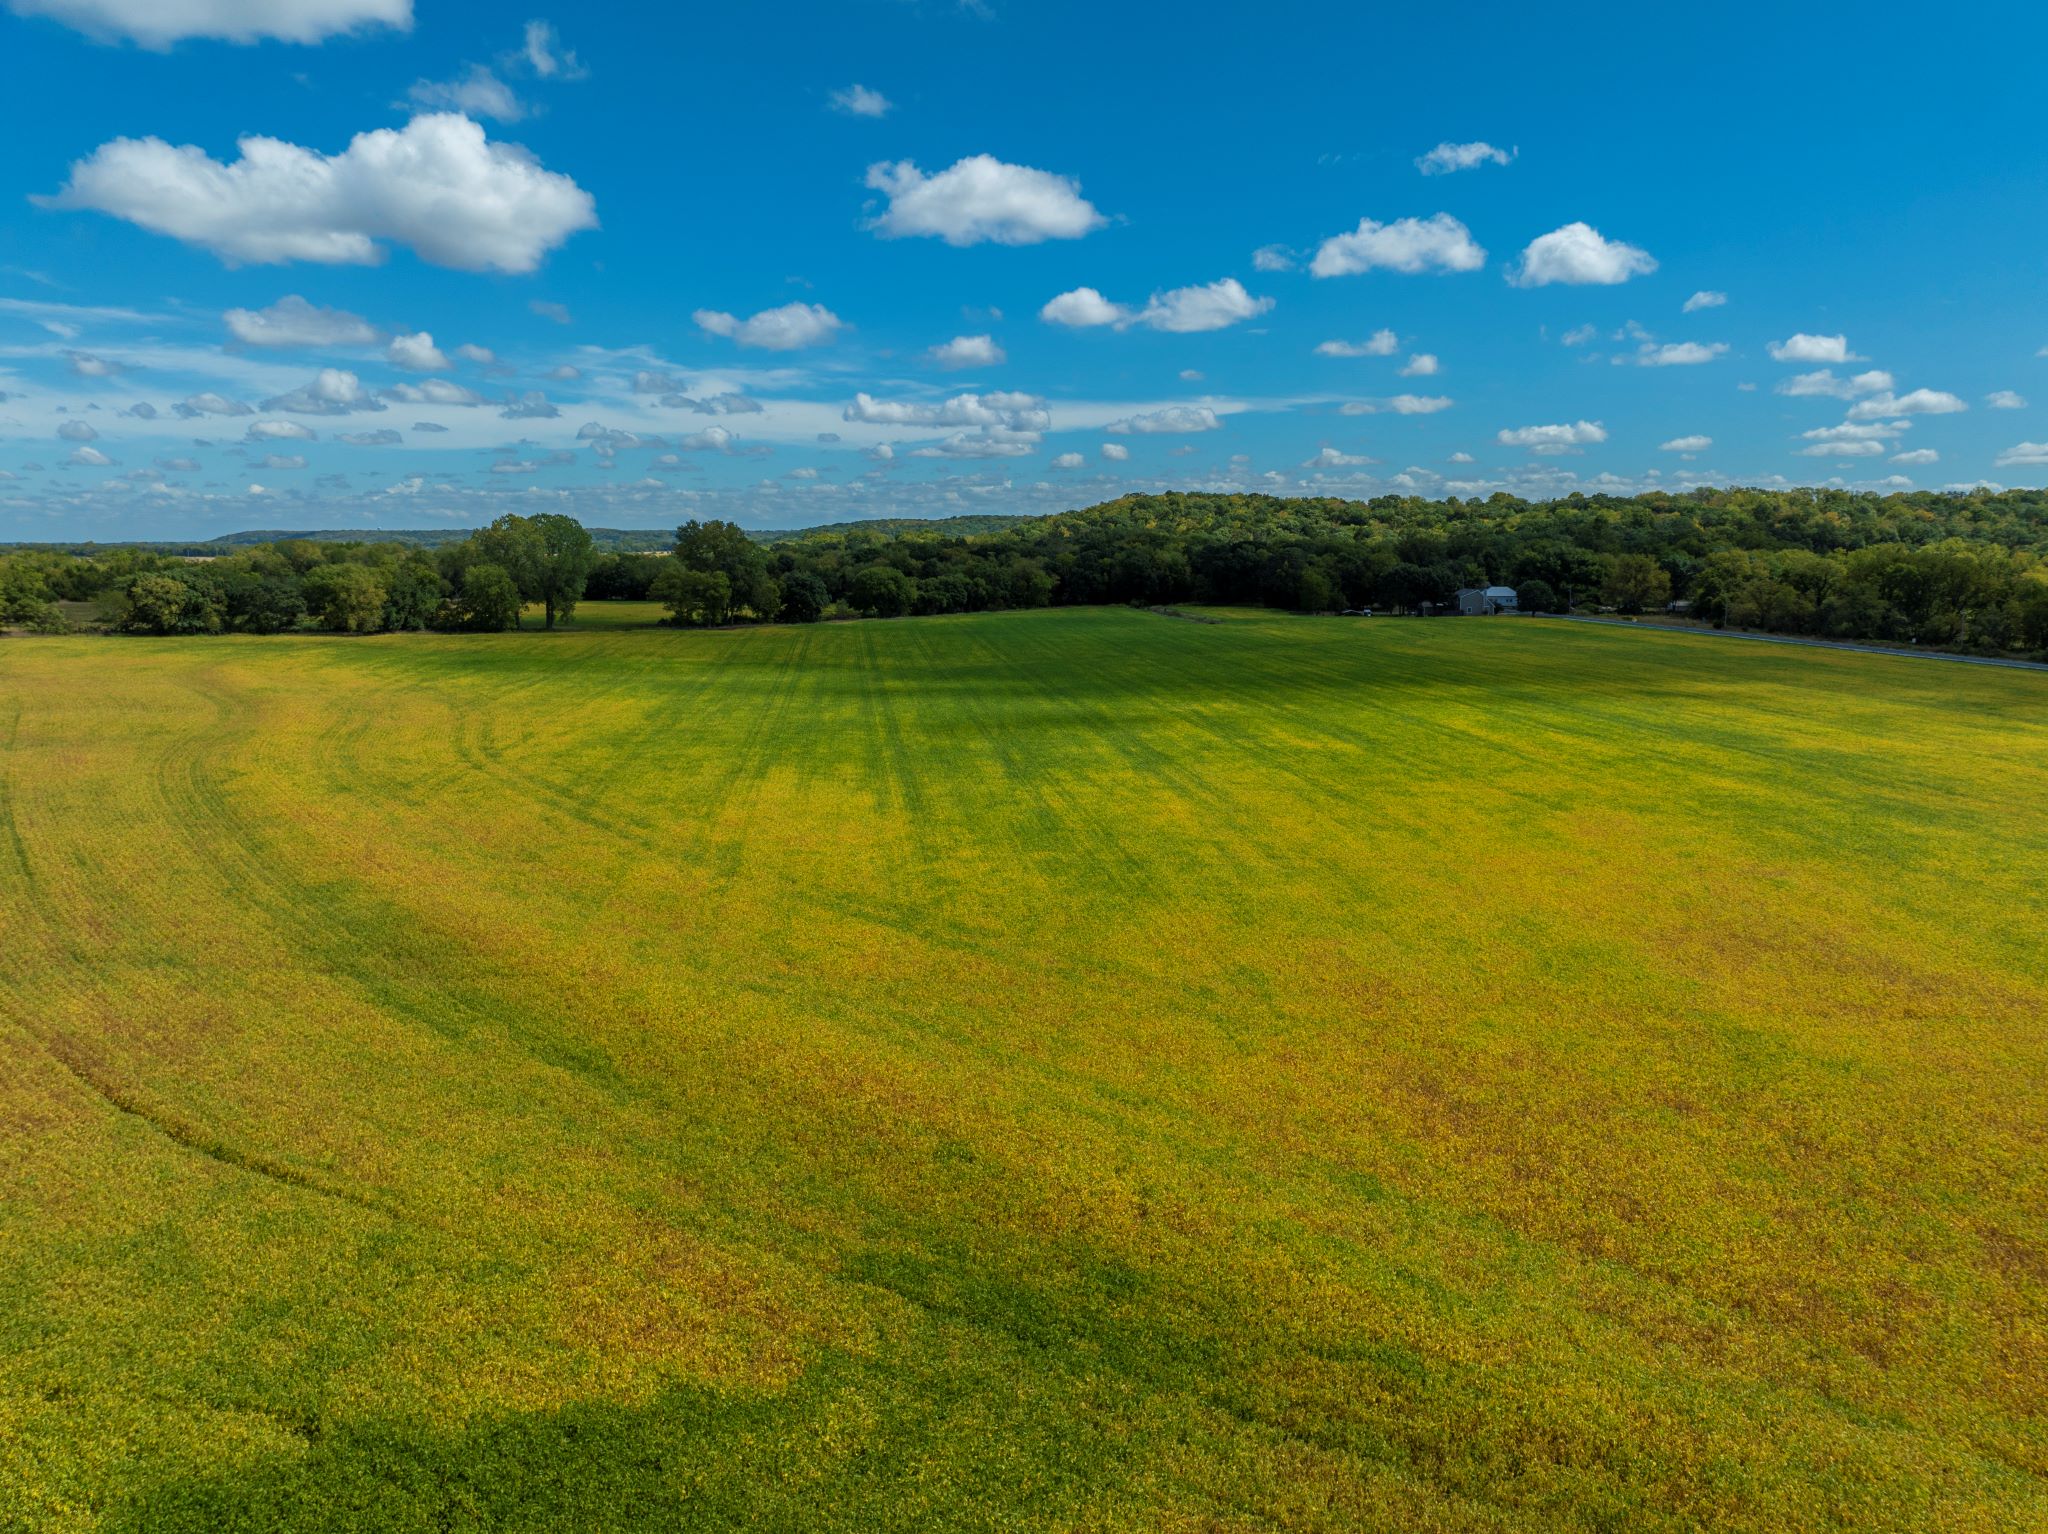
point(1963, 571)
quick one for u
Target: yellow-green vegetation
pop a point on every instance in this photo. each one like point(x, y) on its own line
point(1070, 1070)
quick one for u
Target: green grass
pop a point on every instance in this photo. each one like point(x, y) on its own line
point(1062, 1071)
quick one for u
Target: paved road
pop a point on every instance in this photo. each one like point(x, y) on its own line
point(1813, 644)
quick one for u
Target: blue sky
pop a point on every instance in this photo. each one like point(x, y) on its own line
point(332, 263)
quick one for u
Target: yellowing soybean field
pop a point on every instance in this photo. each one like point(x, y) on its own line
point(1063, 1071)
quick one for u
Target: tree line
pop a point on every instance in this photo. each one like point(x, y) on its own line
point(1963, 571)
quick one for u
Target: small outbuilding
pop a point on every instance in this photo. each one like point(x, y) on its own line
point(1484, 601)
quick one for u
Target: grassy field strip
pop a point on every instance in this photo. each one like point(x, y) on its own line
point(1065, 1070)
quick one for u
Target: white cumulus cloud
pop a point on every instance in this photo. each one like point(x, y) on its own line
point(1553, 440)
point(777, 330)
point(291, 321)
point(1332, 458)
point(1447, 158)
point(1082, 308)
point(159, 23)
point(1824, 383)
point(1115, 452)
point(417, 354)
point(2027, 454)
point(1918, 402)
point(1381, 343)
point(969, 352)
point(1068, 461)
point(1438, 243)
point(1692, 444)
point(1422, 365)
point(1579, 255)
point(1273, 258)
point(1679, 354)
point(1805, 348)
point(437, 185)
point(980, 199)
point(1706, 298)
point(2005, 399)
point(1918, 455)
point(1204, 306)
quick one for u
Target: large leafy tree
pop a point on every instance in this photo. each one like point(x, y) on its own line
point(548, 556)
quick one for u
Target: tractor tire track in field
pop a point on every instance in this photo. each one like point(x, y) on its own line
point(331, 922)
point(17, 846)
point(194, 1138)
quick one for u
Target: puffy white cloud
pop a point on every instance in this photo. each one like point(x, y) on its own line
point(987, 443)
point(1068, 461)
point(209, 403)
point(1824, 383)
point(279, 431)
point(479, 93)
point(434, 391)
point(1000, 409)
point(1706, 298)
point(1422, 365)
point(1679, 354)
point(1331, 458)
point(1805, 348)
point(1208, 306)
point(712, 439)
point(1579, 255)
point(1274, 258)
point(859, 101)
point(1172, 419)
point(1462, 458)
point(78, 431)
point(1082, 308)
point(482, 356)
point(90, 458)
point(1447, 158)
point(1918, 455)
point(86, 365)
point(159, 23)
point(981, 199)
point(1918, 402)
point(1439, 243)
point(1855, 431)
point(291, 321)
point(2024, 454)
point(333, 391)
point(1115, 452)
point(2005, 399)
point(776, 330)
point(969, 352)
point(1549, 441)
point(417, 354)
point(1692, 444)
point(437, 185)
point(1205, 306)
point(1381, 343)
point(530, 406)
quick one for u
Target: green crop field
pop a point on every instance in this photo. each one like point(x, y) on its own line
point(1071, 1070)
